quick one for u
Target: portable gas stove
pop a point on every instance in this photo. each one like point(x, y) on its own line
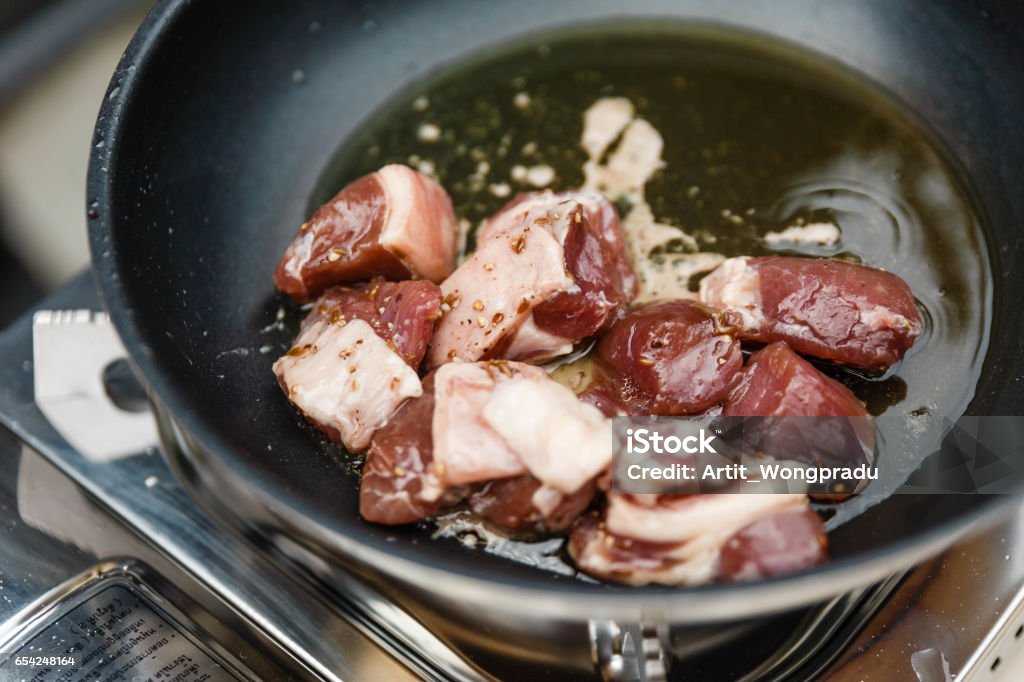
point(106, 557)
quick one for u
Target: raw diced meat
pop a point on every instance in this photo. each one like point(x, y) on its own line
point(522, 505)
point(493, 292)
point(847, 313)
point(395, 223)
point(345, 379)
point(341, 371)
point(685, 518)
point(595, 257)
point(776, 545)
point(466, 448)
point(779, 383)
point(670, 358)
point(561, 440)
point(421, 230)
point(443, 440)
point(399, 483)
point(512, 215)
point(602, 555)
point(402, 313)
point(681, 540)
point(550, 269)
point(606, 398)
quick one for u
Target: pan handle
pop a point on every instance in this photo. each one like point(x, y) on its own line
point(630, 651)
point(71, 349)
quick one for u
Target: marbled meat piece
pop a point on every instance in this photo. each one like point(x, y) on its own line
point(438, 444)
point(669, 358)
point(394, 223)
point(399, 483)
point(696, 539)
point(595, 257)
point(549, 270)
point(522, 505)
point(850, 314)
point(836, 429)
point(779, 383)
point(402, 313)
point(489, 297)
point(466, 448)
point(562, 441)
point(778, 544)
point(345, 379)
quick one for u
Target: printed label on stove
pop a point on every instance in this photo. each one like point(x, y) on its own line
point(116, 634)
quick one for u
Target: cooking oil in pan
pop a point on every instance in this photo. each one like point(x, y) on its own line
point(758, 137)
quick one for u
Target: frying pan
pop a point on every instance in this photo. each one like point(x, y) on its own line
point(216, 126)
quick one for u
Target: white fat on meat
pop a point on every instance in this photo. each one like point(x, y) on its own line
point(546, 500)
point(299, 254)
point(678, 565)
point(696, 526)
point(735, 286)
point(882, 317)
point(346, 379)
point(532, 205)
point(529, 341)
point(466, 448)
point(494, 291)
point(562, 441)
point(685, 518)
point(420, 228)
point(532, 342)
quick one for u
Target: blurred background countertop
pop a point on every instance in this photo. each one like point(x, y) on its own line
point(56, 58)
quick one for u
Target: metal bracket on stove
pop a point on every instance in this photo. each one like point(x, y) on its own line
point(630, 651)
point(71, 349)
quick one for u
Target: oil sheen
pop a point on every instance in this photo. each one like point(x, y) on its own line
point(758, 137)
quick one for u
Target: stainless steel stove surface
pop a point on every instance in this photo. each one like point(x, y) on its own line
point(106, 559)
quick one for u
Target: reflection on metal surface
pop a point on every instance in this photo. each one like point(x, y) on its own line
point(55, 544)
point(1001, 642)
point(71, 348)
point(132, 506)
point(963, 604)
point(823, 633)
point(630, 651)
point(377, 616)
point(31, 562)
point(930, 666)
point(70, 522)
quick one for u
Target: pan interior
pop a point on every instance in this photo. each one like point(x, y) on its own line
point(758, 138)
point(222, 135)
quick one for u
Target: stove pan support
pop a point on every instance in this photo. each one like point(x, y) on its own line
point(61, 360)
point(630, 651)
point(71, 350)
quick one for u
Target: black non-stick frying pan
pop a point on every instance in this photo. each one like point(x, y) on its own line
point(222, 116)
